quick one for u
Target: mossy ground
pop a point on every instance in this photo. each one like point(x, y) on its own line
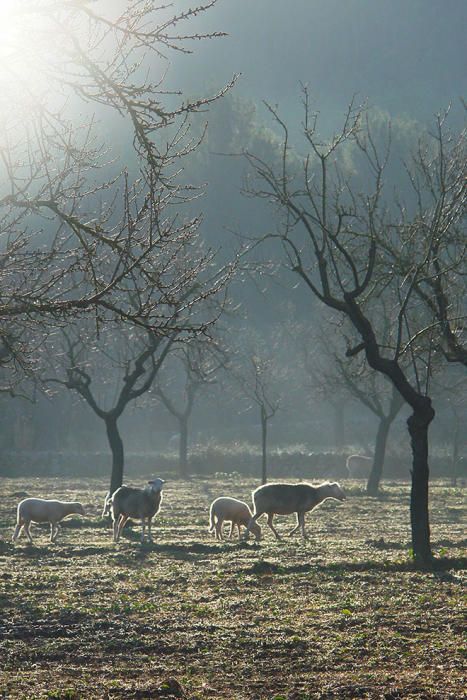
point(343, 615)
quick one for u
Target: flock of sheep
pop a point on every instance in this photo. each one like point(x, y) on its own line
point(143, 504)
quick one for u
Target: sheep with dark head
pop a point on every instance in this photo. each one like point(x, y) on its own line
point(142, 504)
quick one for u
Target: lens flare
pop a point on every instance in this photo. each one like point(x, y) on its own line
point(26, 49)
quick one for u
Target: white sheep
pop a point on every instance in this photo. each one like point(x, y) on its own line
point(358, 466)
point(40, 510)
point(143, 504)
point(233, 510)
point(284, 499)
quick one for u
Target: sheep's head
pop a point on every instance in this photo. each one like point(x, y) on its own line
point(80, 509)
point(156, 484)
point(336, 492)
point(256, 530)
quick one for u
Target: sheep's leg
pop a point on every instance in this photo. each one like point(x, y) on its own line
point(301, 518)
point(115, 528)
point(270, 519)
point(26, 530)
point(232, 524)
point(292, 532)
point(149, 530)
point(54, 528)
point(212, 524)
point(143, 529)
point(17, 531)
point(107, 499)
point(121, 524)
point(239, 533)
point(219, 524)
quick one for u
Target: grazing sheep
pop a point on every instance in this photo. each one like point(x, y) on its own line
point(358, 466)
point(284, 499)
point(127, 502)
point(233, 510)
point(39, 510)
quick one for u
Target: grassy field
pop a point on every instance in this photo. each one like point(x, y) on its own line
point(343, 615)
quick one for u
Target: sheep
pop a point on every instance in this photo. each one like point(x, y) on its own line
point(233, 510)
point(358, 466)
point(284, 499)
point(127, 502)
point(40, 510)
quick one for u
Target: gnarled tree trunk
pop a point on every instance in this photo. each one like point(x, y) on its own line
point(418, 424)
point(116, 446)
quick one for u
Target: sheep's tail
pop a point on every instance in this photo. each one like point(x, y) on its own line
point(211, 520)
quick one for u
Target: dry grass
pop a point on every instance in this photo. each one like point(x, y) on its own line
point(343, 615)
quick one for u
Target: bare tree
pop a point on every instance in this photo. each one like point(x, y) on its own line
point(193, 284)
point(255, 373)
point(200, 360)
point(320, 378)
point(365, 387)
point(333, 237)
point(434, 230)
point(91, 141)
point(335, 377)
point(449, 388)
point(127, 374)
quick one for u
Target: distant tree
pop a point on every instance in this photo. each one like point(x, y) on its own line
point(337, 377)
point(449, 390)
point(200, 361)
point(334, 237)
point(90, 151)
point(255, 372)
point(315, 360)
point(135, 371)
point(128, 365)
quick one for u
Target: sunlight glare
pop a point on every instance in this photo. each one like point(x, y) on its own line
point(25, 49)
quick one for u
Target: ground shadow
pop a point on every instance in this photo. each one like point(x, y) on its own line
point(188, 551)
point(443, 564)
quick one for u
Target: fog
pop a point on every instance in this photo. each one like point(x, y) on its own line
point(406, 57)
point(408, 60)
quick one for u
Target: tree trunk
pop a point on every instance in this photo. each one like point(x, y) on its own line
point(374, 478)
point(264, 435)
point(183, 447)
point(116, 445)
point(418, 424)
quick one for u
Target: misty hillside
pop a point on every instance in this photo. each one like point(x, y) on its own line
point(406, 57)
